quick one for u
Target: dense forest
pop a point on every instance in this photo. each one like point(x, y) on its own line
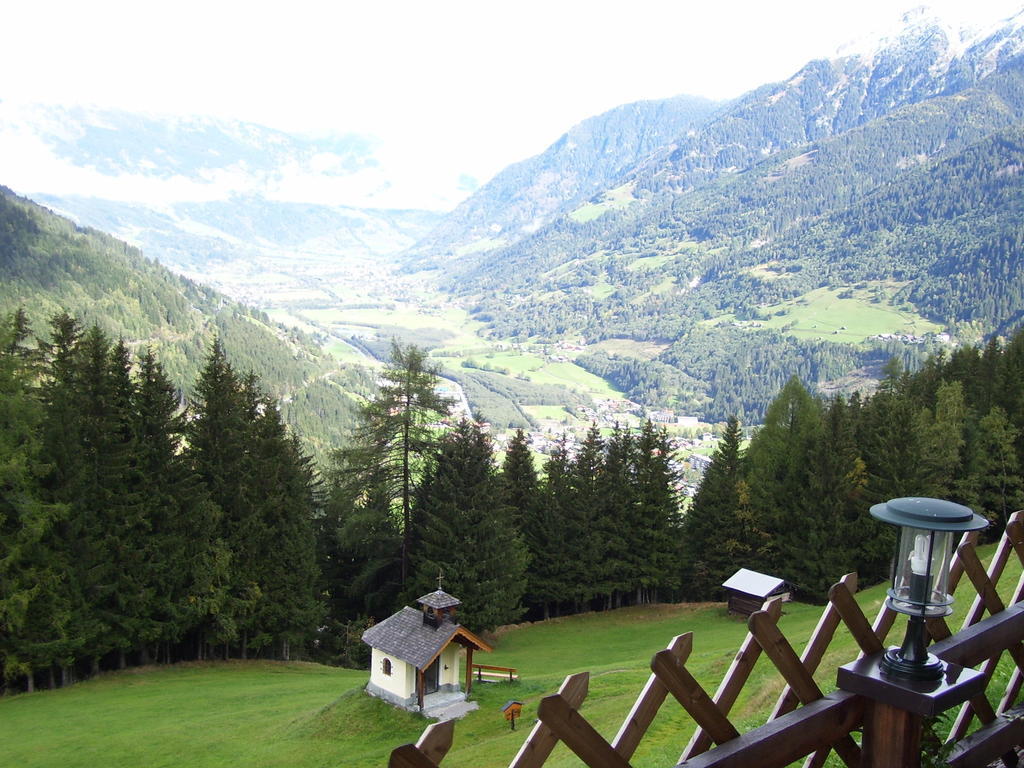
point(135, 527)
point(51, 265)
point(794, 503)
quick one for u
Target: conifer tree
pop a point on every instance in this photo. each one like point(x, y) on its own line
point(288, 611)
point(780, 473)
point(618, 522)
point(467, 534)
point(219, 439)
point(34, 611)
point(180, 519)
point(713, 543)
point(520, 487)
point(997, 467)
point(940, 435)
point(657, 520)
point(545, 534)
point(394, 437)
point(584, 549)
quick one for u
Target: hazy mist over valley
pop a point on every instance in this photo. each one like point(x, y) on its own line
point(679, 257)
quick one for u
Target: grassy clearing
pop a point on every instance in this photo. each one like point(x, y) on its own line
point(849, 315)
point(602, 289)
point(479, 246)
point(641, 350)
point(645, 263)
point(224, 714)
point(286, 317)
point(824, 314)
point(612, 200)
point(304, 716)
point(346, 353)
point(572, 376)
point(551, 413)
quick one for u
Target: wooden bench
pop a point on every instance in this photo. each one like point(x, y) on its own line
point(485, 673)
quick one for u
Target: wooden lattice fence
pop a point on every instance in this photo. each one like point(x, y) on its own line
point(805, 722)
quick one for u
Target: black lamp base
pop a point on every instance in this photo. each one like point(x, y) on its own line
point(893, 664)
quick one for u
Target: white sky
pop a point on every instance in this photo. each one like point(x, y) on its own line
point(449, 87)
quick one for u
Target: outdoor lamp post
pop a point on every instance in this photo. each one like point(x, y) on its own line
point(920, 575)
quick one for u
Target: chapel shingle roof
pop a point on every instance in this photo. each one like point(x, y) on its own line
point(406, 636)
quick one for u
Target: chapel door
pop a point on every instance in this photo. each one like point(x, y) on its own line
point(431, 677)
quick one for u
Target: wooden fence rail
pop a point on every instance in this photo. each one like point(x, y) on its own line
point(805, 722)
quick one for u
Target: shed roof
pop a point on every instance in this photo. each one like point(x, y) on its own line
point(406, 636)
point(754, 583)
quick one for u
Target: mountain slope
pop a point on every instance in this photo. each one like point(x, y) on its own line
point(204, 189)
point(587, 159)
point(47, 265)
point(889, 178)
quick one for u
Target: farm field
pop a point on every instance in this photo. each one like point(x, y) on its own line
point(302, 715)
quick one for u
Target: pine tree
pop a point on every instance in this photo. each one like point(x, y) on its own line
point(657, 519)
point(545, 534)
point(34, 612)
point(394, 437)
point(780, 462)
point(181, 520)
point(940, 434)
point(467, 534)
point(584, 548)
point(288, 611)
point(617, 522)
point(219, 440)
point(713, 544)
point(997, 467)
point(519, 483)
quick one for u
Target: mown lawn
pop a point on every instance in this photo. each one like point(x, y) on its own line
point(298, 715)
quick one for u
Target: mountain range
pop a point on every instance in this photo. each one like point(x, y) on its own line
point(891, 175)
point(867, 207)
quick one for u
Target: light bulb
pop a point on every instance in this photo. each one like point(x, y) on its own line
point(919, 557)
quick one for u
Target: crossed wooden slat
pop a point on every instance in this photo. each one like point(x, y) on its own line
point(560, 719)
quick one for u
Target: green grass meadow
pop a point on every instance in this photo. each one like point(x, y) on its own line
point(849, 315)
point(298, 715)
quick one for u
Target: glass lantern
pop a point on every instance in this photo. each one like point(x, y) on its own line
point(920, 575)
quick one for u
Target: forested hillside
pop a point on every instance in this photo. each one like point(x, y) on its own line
point(48, 265)
point(892, 180)
point(586, 160)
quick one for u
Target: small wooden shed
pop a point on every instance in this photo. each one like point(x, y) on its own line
point(747, 590)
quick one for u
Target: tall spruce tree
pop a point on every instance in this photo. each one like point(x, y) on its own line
point(781, 459)
point(219, 439)
point(997, 467)
point(617, 522)
point(657, 515)
point(546, 535)
point(181, 520)
point(713, 543)
point(584, 548)
point(467, 534)
point(519, 484)
point(34, 611)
